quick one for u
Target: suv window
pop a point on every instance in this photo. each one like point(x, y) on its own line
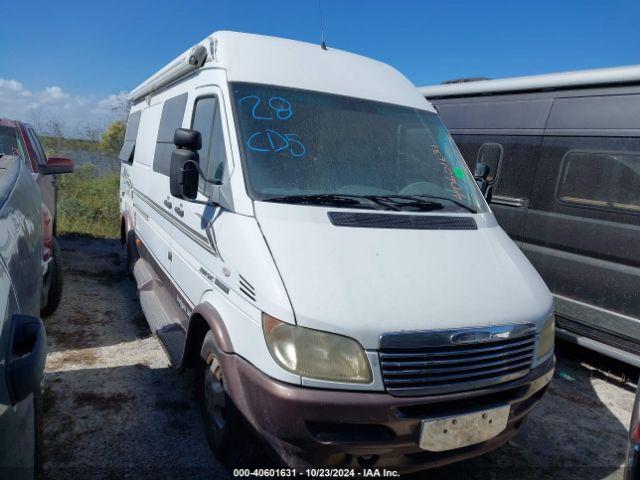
point(601, 180)
point(9, 141)
point(37, 147)
point(126, 153)
point(213, 156)
point(172, 115)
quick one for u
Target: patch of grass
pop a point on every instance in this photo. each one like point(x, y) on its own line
point(88, 203)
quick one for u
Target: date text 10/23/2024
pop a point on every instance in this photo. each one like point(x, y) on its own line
point(316, 472)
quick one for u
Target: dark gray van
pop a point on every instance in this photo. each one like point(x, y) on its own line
point(564, 157)
point(22, 335)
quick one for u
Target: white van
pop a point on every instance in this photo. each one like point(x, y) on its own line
point(304, 231)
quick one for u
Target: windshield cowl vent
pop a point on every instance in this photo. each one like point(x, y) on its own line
point(406, 222)
point(247, 288)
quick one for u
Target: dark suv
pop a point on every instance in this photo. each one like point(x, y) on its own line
point(18, 138)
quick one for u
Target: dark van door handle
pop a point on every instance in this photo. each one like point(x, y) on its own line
point(168, 204)
point(179, 211)
point(26, 357)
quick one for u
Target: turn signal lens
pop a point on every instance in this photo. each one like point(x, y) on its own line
point(547, 337)
point(315, 354)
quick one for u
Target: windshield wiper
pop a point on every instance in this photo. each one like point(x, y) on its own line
point(410, 201)
point(333, 199)
point(460, 204)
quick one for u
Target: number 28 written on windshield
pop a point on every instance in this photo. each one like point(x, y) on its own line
point(271, 141)
point(278, 105)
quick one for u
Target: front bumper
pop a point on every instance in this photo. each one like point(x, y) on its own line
point(314, 427)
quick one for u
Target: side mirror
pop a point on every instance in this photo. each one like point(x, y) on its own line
point(28, 353)
point(481, 173)
point(184, 172)
point(56, 165)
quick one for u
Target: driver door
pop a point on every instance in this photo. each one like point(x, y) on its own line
point(196, 260)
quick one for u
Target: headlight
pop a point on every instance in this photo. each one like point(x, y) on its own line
point(547, 337)
point(315, 354)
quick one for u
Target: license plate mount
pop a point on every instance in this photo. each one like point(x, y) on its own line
point(457, 431)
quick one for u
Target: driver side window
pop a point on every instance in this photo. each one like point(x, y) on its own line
point(213, 156)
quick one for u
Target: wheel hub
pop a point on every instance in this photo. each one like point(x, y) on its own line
point(214, 395)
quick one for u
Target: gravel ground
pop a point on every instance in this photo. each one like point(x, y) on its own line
point(112, 407)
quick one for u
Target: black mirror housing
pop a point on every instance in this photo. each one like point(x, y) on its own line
point(482, 171)
point(184, 174)
point(187, 139)
point(28, 354)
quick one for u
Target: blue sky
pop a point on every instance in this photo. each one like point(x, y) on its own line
point(90, 50)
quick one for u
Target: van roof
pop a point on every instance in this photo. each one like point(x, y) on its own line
point(289, 63)
point(579, 78)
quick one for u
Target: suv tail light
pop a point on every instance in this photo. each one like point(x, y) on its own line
point(47, 228)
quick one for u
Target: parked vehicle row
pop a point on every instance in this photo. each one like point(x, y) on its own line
point(22, 334)
point(314, 244)
point(564, 156)
point(30, 286)
point(19, 138)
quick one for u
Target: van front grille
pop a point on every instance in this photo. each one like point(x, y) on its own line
point(427, 363)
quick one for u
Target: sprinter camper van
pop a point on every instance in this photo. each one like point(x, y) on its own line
point(305, 233)
point(564, 156)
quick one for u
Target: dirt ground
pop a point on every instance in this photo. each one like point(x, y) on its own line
point(112, 407)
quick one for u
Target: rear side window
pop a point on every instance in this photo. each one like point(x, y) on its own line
point(9, 141)
point(172, 115)
point(206, 119)
point(128, 147)
point(37, 147)
point(601, 180)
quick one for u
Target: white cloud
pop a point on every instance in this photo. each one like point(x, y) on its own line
point(76, 113)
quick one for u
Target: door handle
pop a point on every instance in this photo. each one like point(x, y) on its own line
point(179, 211)
point(168, 204)
point(28, 354)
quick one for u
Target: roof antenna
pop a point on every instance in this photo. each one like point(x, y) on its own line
point(322, 44)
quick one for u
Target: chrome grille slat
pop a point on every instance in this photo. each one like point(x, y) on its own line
point(469, 374)
point(471, 367)
point(443, 352)
point(418, 363)
point(422, 363)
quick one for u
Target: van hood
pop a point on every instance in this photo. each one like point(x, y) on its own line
point(364, 282)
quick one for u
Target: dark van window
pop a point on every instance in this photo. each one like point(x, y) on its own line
point(172, 115)
point(601, 180)
point(206, 119)
point(126, 153)
point(491, 154)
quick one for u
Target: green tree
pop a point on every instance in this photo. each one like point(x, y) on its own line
point(112, 139)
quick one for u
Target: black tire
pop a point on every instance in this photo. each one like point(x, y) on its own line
point(229, 436)
point(56, 283)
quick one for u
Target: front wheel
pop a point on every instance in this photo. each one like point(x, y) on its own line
point(228, 433)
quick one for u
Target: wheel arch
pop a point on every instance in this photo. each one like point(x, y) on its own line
point(203, 319)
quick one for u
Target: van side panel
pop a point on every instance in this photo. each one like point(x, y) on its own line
point(584, 244)
point(586, 253)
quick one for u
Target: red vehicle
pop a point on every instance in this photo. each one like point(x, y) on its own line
point(18, 138)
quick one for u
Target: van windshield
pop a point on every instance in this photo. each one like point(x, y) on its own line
point(314, 148)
